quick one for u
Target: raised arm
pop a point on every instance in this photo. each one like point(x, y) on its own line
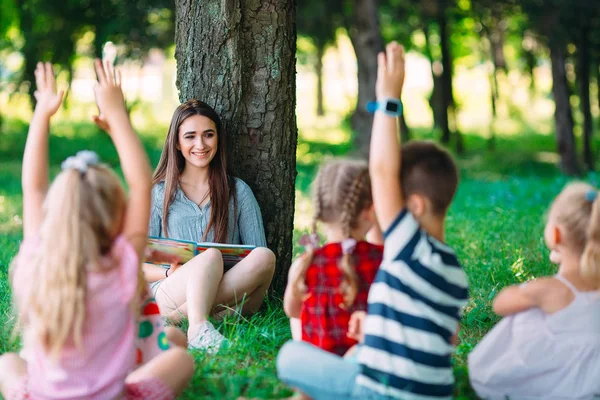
point(35, 159)
point(132, 156)
point(384, 157)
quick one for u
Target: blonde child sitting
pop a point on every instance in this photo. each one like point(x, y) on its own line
point(77, 278)
point(326, 284)
point(548, 345)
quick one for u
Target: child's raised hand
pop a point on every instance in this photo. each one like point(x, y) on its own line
point(109, 96)
point(48, 100)
point(390, 72)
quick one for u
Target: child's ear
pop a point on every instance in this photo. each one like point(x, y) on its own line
point(557, 236)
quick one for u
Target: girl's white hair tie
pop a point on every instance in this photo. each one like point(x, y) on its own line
point(348, 246)
point(81, 161)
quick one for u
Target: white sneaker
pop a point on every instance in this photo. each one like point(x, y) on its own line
point(207, 338)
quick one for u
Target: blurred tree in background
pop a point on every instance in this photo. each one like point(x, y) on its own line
point(504, 36)
point(47, 31)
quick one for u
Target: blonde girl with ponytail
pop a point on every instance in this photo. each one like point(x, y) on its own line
point(328, 283)
point(77, 279)
point(548, 344)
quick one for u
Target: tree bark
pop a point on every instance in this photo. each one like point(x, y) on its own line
point(493, 99)
point(446, 79)
point(404, 129)
point(239, 56)
point(597, 67)
point(319, 73)
point(583, 79)
point(496, 36)
point(436, 100)
point(563, 116)
point(365, 35)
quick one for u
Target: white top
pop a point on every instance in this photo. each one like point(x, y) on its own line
point(533, 355)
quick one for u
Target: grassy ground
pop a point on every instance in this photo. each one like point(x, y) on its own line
point(495, 225)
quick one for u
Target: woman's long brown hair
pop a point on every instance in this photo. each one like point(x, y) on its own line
point(172, 163)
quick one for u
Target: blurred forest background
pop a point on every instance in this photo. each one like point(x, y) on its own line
point(475, 66)
point(510, 86)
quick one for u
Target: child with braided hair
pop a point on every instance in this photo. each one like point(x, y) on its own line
point(416, 300)
point(327, 284)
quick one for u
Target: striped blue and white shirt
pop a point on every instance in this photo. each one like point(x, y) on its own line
point(414, 308)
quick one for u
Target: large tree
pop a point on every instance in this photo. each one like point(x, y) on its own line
point(365, 34)
point(239, 56)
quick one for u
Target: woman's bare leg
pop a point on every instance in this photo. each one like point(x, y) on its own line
point(12, 370)
point(247, 281)
point(173, 367)
point(192, 288)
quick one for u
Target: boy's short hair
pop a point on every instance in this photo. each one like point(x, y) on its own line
point(429, 170)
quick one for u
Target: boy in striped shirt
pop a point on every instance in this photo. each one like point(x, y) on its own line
point(415, 302)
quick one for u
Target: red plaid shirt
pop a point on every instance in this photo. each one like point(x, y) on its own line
point(324, 322)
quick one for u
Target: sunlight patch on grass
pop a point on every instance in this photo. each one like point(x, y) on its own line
point(518, 269)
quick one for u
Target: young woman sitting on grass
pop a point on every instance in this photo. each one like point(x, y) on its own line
point(195, 198)
point(77, 281)
point(548, 345)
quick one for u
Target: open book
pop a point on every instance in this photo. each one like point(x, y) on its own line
point(186, 250)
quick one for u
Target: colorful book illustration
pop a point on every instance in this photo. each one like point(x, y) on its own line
point(186, 250)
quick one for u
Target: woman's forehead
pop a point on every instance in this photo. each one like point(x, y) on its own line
point(197, 123)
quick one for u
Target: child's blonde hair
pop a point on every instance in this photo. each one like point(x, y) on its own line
point(341, 191)
point(83, 213)
point(577, 210)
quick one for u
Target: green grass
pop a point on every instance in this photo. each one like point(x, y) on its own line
point(495, 225)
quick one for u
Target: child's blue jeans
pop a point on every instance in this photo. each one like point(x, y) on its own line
point(319, 374)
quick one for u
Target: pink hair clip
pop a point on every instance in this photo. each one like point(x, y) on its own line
point(348, 246)
point(309, 241)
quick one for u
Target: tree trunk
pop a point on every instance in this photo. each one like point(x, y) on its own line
point(365, 35)
point(493, 99)
point(583, 79)
point(436, 100)
point(446, 78)
point(319, 73)
point(597, 69)
point(239, 56)
point(30, 49)
point(497, 44)
point(530, 64)
point(563, 116)
point(404, 130)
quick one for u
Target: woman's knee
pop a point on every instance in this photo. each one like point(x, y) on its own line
point(264, 262)
point(212, 256)
point(209, 258)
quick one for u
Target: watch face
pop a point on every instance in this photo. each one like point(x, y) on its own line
point(391, 107)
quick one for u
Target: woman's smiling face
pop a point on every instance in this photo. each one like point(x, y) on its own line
point(198, 141)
